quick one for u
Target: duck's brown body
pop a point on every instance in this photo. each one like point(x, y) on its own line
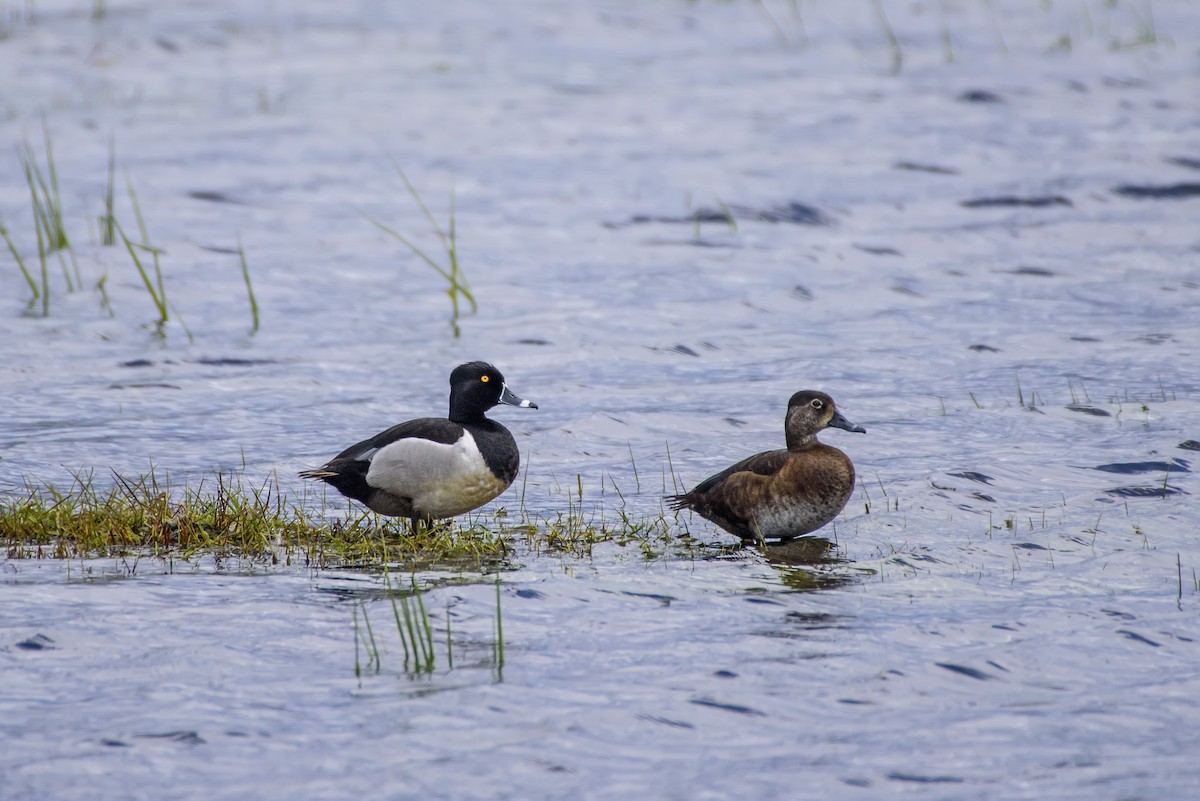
point(786, 493)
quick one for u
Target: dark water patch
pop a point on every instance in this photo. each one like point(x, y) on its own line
point(935, 169)
point(979, 496)
point(802, 292)
point(815, 621)
point(182, 737)
point(232, 361)
point(980, 96)
point(1133, 635)
point(1155, 339)
point(675, 724)
point(1083, 409)
point(971, 475)
point(1160, 491)
point(878, 250)
point(903, 290)
point(1030, 546)
point(534, 341)
point(736, 708)
point(725, 674)
point(1184, 161)
point(1004, 627)
point(855, 702)
point(1190, 445)
point(143, 385)
point(1180, 191)
point(38, 642)
point(963, 670)
point(753, 599)
point(733, 421)
point(664, 600)
point(228, 251)
point(531, 594)
point(1176, 465)
point(137, 363)
point(214, 197)
point(923, 779)
point(792, 212)
point(983, 349)
point(1125, 83)
point(998, 666)
point(1013, 201)
point(1119, 615)
point(1040, 272)
point(856, 782)
point(1086, 339)
point(114, 743)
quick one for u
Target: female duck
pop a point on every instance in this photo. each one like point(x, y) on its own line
point(786, 493)
point(433, 467)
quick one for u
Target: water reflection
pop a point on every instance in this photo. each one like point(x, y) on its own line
point(805, 563)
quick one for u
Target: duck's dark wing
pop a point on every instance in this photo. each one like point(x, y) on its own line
point(435, 429)
point(730, 497)
point(760, 464)
point(347, 472)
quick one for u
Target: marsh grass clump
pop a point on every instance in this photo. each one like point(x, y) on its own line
point(146, 516)
point(226, 516)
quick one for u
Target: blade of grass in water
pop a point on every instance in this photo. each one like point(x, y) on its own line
point(156, 294)
point(108, 231)
point(33, 287)
point(249, 288)
point(451, 270)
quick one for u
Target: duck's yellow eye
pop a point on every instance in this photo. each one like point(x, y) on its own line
point(816, 403)
point(484, 378)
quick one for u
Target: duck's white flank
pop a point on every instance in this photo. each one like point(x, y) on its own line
point(442, 480)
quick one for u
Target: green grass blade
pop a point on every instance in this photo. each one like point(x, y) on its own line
point(33, 287)
point(249, 287)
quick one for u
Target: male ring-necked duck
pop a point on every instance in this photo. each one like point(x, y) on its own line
point(435, 467)
point(785, 493)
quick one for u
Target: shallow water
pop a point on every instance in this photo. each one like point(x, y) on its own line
point(1012, 612)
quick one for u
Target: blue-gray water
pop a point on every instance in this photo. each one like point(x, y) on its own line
point(1014, 612)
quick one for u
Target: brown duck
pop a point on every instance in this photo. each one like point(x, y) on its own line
point(786, 493)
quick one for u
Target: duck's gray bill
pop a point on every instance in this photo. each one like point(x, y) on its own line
point(841, 422)
point(507, 396)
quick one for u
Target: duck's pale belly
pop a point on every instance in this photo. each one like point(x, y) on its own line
point(442, 480)
point(459, 495)
point(793, 520)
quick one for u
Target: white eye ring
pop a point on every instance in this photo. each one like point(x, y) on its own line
point(816, 403)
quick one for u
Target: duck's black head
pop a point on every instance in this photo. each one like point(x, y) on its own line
point(810, 411)
point(476, 387)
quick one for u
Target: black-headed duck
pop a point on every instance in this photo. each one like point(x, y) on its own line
point(433, 468)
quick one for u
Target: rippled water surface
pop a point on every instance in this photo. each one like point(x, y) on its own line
point(672, 215)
